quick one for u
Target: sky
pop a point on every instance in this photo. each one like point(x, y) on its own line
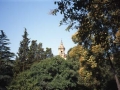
point(15, 15)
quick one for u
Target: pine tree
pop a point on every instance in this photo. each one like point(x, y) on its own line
point(6, 72)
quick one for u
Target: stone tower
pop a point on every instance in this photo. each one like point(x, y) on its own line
point(61, 50)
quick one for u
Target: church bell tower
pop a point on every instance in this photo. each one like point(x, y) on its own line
point(61, 50)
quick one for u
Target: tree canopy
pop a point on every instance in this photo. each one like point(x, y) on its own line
point(50, 74)
point(29, 52)
point(93, 64)
point(94, 19)
point(97, 23)
point(6, 72)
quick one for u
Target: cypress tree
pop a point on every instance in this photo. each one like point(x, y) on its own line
point(23, 50)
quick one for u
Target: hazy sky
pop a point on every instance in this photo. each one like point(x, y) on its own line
point(15, 15)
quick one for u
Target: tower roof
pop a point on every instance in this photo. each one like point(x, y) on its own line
point(61, 45)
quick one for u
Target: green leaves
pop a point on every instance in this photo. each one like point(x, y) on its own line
point(6, 66)
point(24, 48)
point(52, 73)
point(27, 55)
point(97, 23)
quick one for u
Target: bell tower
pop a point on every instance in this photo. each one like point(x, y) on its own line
point(61, 50)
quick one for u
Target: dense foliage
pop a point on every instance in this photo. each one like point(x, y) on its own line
point(28, 54)
point(6, 67)
point(50, 74)
point(93, 64)
point(97, 23)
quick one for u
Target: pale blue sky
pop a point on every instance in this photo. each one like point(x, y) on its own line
point(33, 15)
